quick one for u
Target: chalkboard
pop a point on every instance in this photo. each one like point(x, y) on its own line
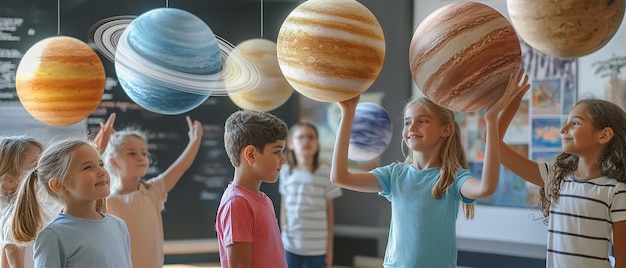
point(192, 204)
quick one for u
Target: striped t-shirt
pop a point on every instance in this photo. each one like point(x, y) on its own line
point(305, 194)
point(581, 222)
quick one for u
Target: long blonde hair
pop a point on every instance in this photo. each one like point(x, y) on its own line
point(452, 154)
point(28, 215)
point(612, 162)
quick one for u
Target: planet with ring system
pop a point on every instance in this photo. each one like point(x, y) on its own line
point(169, 61)
point(273, 90)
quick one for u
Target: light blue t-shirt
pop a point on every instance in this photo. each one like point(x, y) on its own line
point(423, 229)
point(75, 242)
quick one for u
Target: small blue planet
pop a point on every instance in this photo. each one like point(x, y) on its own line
point(371, 132)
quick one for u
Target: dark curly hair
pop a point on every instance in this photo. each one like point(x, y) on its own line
point(612, 161)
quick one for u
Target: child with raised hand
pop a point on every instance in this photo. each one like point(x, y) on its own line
point(83, 235)
point(425, 191)
point(583, 193)
point(18, 154)
point(246, 224)
point(139, 203)
point(307, 209)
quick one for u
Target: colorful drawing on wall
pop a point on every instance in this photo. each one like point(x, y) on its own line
point(511, 190)
point(569, 98)
point(541, 67)
point(546, 96)
point(546, 133)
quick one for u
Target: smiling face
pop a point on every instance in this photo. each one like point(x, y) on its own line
point(132, 160)
point(268, 163)
point(423, 130)
point(87, 178)
point(579, 134)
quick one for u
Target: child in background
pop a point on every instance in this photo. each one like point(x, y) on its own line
point(83, 235)
point(139, 203)
point(425, 190)
point(246, 224)
point(583, 193)
point(18, 154)
point(307, 210)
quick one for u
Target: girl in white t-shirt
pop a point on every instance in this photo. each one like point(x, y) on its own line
point(307, 210)
point(139, 203)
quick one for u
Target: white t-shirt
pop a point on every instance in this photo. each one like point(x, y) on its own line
point(305, 195)
point(580, 226)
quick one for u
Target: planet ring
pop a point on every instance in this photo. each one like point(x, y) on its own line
point(239, 72)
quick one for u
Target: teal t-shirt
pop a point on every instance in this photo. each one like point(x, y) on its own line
point(423, 229)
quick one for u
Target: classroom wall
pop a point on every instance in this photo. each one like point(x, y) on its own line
point(365, 217)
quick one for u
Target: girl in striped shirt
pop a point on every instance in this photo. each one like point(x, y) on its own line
point(583, 193)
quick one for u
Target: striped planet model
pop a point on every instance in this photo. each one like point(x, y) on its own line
point(461, 55)
point(330, 50)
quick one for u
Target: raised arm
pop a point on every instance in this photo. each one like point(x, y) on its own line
point(339, 173)
point(185, 159)
point(475, 188)
point(104, 134)
point(511, 159)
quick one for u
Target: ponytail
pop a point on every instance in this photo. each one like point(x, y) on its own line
point(26, 215)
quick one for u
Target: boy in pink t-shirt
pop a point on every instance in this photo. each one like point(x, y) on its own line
point(246, 225)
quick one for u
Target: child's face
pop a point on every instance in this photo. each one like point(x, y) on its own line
point(579, 134)
point(87, 178)
point(304, 141)
point(422, 129)
point(132, 159)
point(268, 163)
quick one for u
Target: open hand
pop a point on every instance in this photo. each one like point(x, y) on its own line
point(195, 129)
point(514, 91)
point(104, 134)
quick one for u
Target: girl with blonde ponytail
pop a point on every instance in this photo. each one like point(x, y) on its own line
point(71, 173)
point(425, 191)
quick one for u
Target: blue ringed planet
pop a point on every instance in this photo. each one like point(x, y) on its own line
point(109, 29)
point(239, 72)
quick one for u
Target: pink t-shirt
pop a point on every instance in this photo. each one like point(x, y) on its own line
point(244, 216)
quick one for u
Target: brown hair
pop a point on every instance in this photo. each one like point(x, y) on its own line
point(245, 127)
point(452, 154)
point(612, 162)
point(292, 161)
